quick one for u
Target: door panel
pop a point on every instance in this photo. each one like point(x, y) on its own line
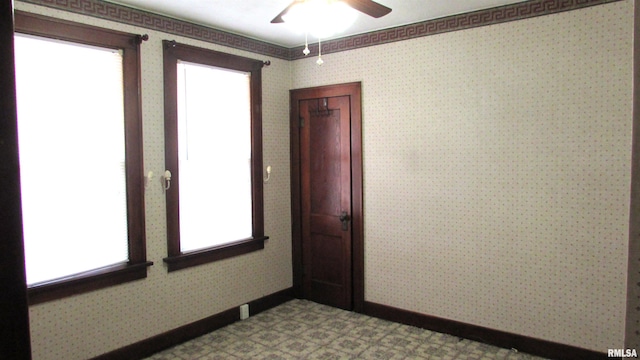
point(326, 250)
point(326, 181)
point(326, 194)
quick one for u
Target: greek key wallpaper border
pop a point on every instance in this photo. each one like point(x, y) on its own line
point(127, 15)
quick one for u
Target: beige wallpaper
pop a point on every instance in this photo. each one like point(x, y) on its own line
point(87, 325)
point(497, 172)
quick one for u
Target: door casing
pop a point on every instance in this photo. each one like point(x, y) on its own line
point(353, 90)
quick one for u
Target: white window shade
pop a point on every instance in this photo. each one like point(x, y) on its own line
point(214, 152)
point(72, 157)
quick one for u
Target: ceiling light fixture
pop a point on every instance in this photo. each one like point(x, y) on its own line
point(325, 18)
point(320, 19)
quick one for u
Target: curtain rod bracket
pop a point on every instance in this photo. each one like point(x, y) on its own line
point(141, 38)
point(266, 62)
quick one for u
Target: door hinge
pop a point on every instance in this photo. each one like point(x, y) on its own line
point(301, 121)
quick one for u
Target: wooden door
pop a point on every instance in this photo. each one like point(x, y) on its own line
point(326, 200)
point(327, 214)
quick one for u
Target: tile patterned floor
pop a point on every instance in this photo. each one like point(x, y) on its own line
point(302, 329)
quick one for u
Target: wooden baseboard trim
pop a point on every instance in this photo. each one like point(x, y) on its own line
point(150, 346)
point(502, 339)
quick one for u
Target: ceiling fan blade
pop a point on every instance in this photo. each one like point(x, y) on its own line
point(278, 19)
point(369, 7)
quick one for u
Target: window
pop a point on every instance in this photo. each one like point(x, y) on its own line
point(79, 133)
point(213, 149)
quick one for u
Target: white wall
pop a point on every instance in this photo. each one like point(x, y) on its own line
point(497, 172)
point(87, 325)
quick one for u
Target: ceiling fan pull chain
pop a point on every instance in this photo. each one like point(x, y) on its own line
point(319, 61)
point(306, 44)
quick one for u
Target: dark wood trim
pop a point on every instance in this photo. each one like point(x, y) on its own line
point(190, 331)
point(134, 140)
point(270, 301)
point(492, 16)
point(177, 51)
point(296, 198)
point(257, 183)
point(357, 218)
point(87, 281)
point(170, 76)
point(172, 53)
point(357, 196)
point(502, 339)
point(14, 311)
point(632, 323)
point(54, 28)
point(150, 346)
point(186, 260)
point(136, 268)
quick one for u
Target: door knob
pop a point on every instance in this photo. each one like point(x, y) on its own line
point(344, 219)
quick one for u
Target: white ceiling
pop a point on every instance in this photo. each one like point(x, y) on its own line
point(252, 18)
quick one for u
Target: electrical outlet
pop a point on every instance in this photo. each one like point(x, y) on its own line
point(244, 311)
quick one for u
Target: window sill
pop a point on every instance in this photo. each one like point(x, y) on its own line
point(86, 282)
point(186, 260)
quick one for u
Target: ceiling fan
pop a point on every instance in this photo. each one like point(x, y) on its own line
point(322, 18)
point(368, 7)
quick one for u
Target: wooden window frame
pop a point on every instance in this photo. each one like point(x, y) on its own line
point(136, 267)
point(172, 53)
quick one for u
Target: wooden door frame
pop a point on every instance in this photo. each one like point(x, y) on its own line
point(353, 90)
point(14, 311)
